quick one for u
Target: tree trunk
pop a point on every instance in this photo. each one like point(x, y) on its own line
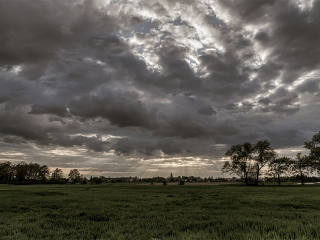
point(246, 178)
point(301, 176)
point(258, 177)
point(279, 181)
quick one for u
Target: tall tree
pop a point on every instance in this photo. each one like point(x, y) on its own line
point(43, 173)
point(280, 166)
point(241, 164)
point(74, 175)
point(263, 154)
point(56, 174)
point(6, 171)
point(314, 154)
point(301, 165)
point(21, 171)
point(32, 171)
point(171, 177)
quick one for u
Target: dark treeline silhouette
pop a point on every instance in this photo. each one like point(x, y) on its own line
point(23, 172)
point(247, 161)
point(33, 173)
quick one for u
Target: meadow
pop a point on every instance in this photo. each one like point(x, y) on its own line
point(128, 211)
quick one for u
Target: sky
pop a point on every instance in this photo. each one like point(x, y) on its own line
point(148, 88)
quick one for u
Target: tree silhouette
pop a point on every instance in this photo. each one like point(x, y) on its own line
point(301, 165)
point(56, 174)
point(264, 153)
point(280, 166)
point(74, 175)
point(314, 154)
point(6, 171)
point(242, 164)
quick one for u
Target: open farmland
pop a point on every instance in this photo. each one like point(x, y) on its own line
point(126, 211)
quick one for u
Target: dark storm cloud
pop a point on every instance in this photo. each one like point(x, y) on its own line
point(207, 110)
point(31, 31)
point(265, 101)
point(121, 109)
point(248, 10)
point(181, 126)
point(49, 107)
point(17, 125)
point(282, 101)
point(295, 36)
point(4, 95)
point(231, 106)
point(262, 37)
point(14, 140)
point(156, 79)
point(309, 85)
point(124, 147)
point(269, 71)
point(57, 119)
point(168, 147)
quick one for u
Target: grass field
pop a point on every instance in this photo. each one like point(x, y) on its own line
point(126, 211)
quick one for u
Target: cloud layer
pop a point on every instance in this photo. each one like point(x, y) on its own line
point(152, 85)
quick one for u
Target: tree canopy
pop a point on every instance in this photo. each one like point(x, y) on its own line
point(314, 154)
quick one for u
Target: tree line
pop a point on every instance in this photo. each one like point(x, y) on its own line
point(32, 173)
point(248, 161)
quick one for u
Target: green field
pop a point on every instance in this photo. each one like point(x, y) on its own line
point(127, 211)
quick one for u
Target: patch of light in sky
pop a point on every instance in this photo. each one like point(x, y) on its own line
point(291, 152)
point(305, 5)
point(9, 153)
point(310, 75)
point(195, 35)
point(289, 88)
point(17, 69)
point(66, 152)
point(277, 83)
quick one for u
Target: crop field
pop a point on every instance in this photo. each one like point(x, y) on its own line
point(127, 211)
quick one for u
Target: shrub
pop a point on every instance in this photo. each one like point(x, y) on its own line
point(84, 181)
point(97, 181)
point(62, 181)
point(181, 182)
point(165, 182)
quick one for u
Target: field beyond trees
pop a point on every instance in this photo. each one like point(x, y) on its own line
point(128, 211)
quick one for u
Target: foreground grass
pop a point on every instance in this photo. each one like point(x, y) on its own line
point(124, 211)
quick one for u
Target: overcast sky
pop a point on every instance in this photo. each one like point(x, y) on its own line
point(146, 88)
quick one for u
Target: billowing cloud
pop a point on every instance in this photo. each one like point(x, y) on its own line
point(155, 84)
